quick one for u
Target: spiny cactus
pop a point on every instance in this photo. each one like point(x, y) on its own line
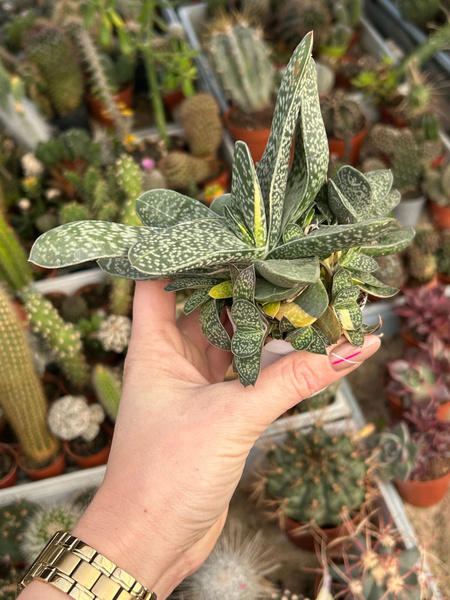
point(240, 58)
point(44, 523)
point(114, 333)
point(259, 9)
point(182, 170)
point(342, 116)
point(73, 211)
point(391, 271)
point(393, 452)
point(202, 127)
point(436, 185)
point(419, 12)
point(15, 270)
point(71, 145)
point(48, 48)
point(295, 18)
point(71, 417)
point(315, 477)
point(421, 267)
point(153, 180)
point(21, 395)
point(427, 239)
point(108, 389)
point(13, 518)
point(235, 569)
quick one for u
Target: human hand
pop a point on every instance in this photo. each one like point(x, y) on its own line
point(182, 437)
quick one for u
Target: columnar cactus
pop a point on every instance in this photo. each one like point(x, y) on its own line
point(108, 389)
point(316, 477)
point(202, 126)
point(71, 417)
point(240, 58)
point(13, 519)
point(296, 17)
point(21, 395)
point(342, 116)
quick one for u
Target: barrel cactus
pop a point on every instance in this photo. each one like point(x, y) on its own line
point(13, 520)
point(342, 116)
point(288, 252)
point(202, 126)
point(316, 477)
point(71, 417)
point(296, 17)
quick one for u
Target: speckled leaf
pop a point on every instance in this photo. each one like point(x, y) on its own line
point(289, 273)
point(311, 155)
point(271, 308)
point(248, 368)
point(329, 325)
point(268, 292)
point(244, 286)
point(369, 329)
point(391, 243)
point(219, 203)
point(285, 325)
point(198, 298)
point(246, 342)
point(318, 344)
point(349, 294)
point(245, 194)
point(120, 267)
point(187, 246)
point(224, 289)
point(350, 316)
point(324, 241)
point(273, 168)
point(341, 280)
point(363, 277)
point(292, 231)
point(191, 283)
point(165, 208)
point(81, 241)
point(385, 206)
point(378, 291)
point(301, 338)
point(307, 307)
point(211, 326)
point(245, 314)
point(381, 183)
point(361, 262)
point(339, 205)
point(356, 189)
point(238, 227)
point(355, 337)
point(234, 273)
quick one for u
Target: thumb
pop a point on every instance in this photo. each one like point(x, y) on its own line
point(295, 377)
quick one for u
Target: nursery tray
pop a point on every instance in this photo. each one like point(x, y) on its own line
point(71, 283)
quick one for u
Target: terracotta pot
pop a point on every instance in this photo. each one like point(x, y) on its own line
point(94, 460)
point(99, 111)
point(443, 278)
point(341, 80)
point(438, 162)
point(444, 411)
point(306, 541)
point(440, 215)
point(256, 140)
point(423, 493)
point(56, 468)
point(74, 165)
point(339, 147)
point(173, 99)
point(11, 477)
point(396, 406)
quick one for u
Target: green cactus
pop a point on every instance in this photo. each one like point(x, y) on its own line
point(419, 12)
point(15, 270)
point(443, 255)
point(50, 50)
point(153, 180)
point(71, 145)
point(421, 267)
point(259, 9)
point(13, 518)
point(44, 523)
point(315, 477)
point(8, 584)
point(108, 389)
point(202, 127)
point(342, 116)
point(321, 399)
point(427, 240)
point(17, 28)
point(241, 60)
point(74, 308)
point(181, 170)
point(391, 271)
point(128, 176)
point(99, 191)
point(436, 185)
point(21, 395)
point(393, 453)
point(73, 211)
point(296, 18)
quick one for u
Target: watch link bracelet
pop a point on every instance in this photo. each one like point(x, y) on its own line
point(78, 570)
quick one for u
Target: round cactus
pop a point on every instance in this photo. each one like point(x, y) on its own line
point(70, 417)
point(391, 270)
point(342, 116)
point(297, 17)
point(13, 519)
point(200, 118)
point(114, 333)
point(181, 170)
point(73, 308)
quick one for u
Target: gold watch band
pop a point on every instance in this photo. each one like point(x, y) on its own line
point(83, 573)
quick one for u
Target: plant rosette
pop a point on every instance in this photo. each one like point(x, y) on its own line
point(289, 252)
point(8, 466)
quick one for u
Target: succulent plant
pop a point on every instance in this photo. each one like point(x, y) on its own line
point(436, 185)
point(12, 525)
point(240, 58)
point(73, 308)
point(425, 313)
point(342, 116)
point(181, 170)
point(391, 271)
point(418, 11)
point(394, 452)
point(71, 417)
point(287, 252)
point(316, 477)
point(202, 127)
point(235, 569)
point(295, 18)
point(44, 523)
point(71, 145)
point(114, 333)
point(421, 267)
point(108, 389)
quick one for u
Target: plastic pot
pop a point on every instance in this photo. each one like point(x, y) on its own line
point(78, 118)
point(408, 212)
point(11, 477)
point(423, 493)
point(440, 215)
point(93, 460)
point(98, 109)
point(349, 149)
point(55, 468)
point(256, 139)
point(307, 541)
point(444, 412)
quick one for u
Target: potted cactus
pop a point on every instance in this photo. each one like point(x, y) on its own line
point(436, 186)
point(8, 466)
point(72, 150)
point(13, 522)
point(443, 258)
point(287, 252)
point(421, 259)
point(336, 472)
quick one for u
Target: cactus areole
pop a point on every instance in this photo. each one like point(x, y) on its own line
point(287, 251)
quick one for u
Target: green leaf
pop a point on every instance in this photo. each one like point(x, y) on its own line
point(340, 208)
point(246, 342)
point(358, 261)
point(350, 195)
point(363, 277)
point(349, 294)
point(381, 183)
point(211, 326)
point(350, 316)
point(378, 291)
point(285, 325)
point(291, 231)
point(237, 227)
point(370, 329)
point(187, 246)
point(300, 339)
point(273, 168)
point(341, 281)
point(355, 337)
point(248, 368)
point(271, 308)
point(307, 307)
point(268, 292)
point(218, 204)
point(224, 289)
point(191, 283)
point(244, 285)
point(289, 273)
point(391, 243)
point(246, 315)
point(165, 208)
point(329, 325)
point(81, 241)
point(120, 267)
point(324, 241)
point(318, 345)
point(387, 205)
point(246, 196)
point(195, 300)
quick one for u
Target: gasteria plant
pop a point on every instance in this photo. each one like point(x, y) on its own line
point(393, 452)
point(287, 252)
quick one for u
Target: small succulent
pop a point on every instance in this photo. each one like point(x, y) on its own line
point(114, 333)
point(393, 452)
point(70, 417)
point(288, 253)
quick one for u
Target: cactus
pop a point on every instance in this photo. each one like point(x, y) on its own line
point(108, 389)
point(421, 267)
point(71, 417)
point(296, 18)
point(73, 211)
point(44, 523)
point(315, 477)
point(49, 49)
point(241, 60)
point(71, 145)
point(443, 255)
point(436, 185)
point(321, 399)
point(342, 116)
point(427, 240)
point(372, 164)
point(8, 584)
point(114, 333)
point(13, 518)
point(202, 127)
point(235, 569)
point(393, 453)
point(419, 11)
point(391, 271)
point(153, 180)
point(259, 9)
point(181, 170)
point(73, 308)
point(21, 395)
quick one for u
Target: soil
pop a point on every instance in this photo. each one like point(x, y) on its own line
point(437, 467)
point(6, 464)
point(253, 121)
point(83, 448)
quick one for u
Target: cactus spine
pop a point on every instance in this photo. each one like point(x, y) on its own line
point(420, 55)
point(108, 389)
point(297, 17)
point(181, 170)
point(21, 395)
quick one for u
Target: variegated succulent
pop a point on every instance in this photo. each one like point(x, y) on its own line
point(287, 252)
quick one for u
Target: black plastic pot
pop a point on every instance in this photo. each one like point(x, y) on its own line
point(78, 118)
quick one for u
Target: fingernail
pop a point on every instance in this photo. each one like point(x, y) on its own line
point(344, 356)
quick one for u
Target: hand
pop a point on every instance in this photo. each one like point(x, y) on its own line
point(182, 437)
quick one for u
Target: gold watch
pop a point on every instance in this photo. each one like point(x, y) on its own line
point(83, 573)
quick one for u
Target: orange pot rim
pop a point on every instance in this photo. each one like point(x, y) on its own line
point(422, 485)
point(254, 134)
point(55, 468)
point(11, 477)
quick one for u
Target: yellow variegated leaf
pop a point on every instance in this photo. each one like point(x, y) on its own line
point(271, 308)
point(296, 315)
point(222, 290)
